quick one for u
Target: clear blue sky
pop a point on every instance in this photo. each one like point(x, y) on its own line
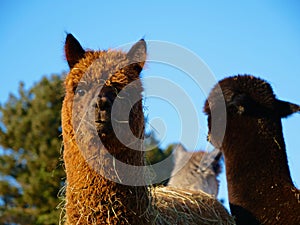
point(255, 37)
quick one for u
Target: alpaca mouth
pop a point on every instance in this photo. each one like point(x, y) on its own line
point(103, 126)
point(100, 121)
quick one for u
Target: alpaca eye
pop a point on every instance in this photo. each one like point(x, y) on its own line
point(80, 92)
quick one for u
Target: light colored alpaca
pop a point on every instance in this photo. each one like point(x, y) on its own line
point(98, 189)
point(196, 170)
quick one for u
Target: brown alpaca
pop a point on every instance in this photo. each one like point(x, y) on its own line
point(260, 187)
point(100, 88)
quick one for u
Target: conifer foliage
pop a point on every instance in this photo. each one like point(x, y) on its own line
point(31, 172)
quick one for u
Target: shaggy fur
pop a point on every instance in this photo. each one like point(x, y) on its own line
point(260, 187)
point(196, 170)
point(96, 80)
point(90, 198)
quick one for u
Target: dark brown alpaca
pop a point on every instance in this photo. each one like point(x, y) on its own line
point(260, 187)
point(103, 127)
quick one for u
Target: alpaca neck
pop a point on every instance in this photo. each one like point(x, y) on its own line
point(256, 173)
point(256, 169)
point(91, 197)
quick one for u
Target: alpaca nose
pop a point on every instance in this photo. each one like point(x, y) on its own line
point(295, 107)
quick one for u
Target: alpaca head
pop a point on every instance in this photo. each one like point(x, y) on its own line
point(103, 98)
point(244, 97)
point(196, 170)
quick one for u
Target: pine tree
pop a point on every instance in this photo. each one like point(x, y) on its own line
point(31, 174)
point(156, 154)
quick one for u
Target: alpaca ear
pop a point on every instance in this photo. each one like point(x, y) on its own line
point(237, 103)
point(216, 164)
point(73, 50)
point(137, 54)
point(286, 108)
point(179, 152)
point(212, 159)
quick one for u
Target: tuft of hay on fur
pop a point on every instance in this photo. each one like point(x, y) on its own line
point(179, 206)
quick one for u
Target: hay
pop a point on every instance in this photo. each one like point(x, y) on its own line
point(169, 206)
point(179, 206)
